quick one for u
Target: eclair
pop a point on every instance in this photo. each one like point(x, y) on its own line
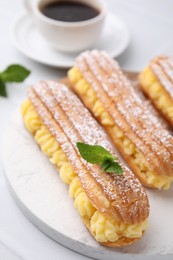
point(156, 81)
point(138, 135)
point(113, 207)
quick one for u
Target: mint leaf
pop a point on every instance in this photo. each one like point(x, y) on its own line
point(97, 154)
point(106, 163)
point(3, 91)
point(94, 154)
point(112, 167)
point(14, 73)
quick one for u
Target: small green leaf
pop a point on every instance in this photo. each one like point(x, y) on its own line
point(112, 167)
point(3, 91)
point(93, 153)
point(97, 154)
point(14, 73)
point(106, 163)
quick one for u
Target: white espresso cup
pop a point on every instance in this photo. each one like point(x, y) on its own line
point(68, 36)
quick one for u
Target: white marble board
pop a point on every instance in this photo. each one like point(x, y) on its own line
point(36, 187)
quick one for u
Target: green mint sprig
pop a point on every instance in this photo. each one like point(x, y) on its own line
point(97, 154)
point(13, 73)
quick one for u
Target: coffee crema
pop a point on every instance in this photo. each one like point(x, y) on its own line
point(69, 11)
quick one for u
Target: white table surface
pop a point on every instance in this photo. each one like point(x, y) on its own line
point(151, 25)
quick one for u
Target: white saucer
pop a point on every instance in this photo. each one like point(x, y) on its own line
point(38, 190)
point(27, 39)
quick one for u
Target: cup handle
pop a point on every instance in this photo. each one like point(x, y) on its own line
point(28, 6)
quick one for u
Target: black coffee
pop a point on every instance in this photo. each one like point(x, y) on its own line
point(69, 11)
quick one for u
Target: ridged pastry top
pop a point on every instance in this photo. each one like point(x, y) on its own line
point(128, 110)
point(118, 196)
point(162, 67)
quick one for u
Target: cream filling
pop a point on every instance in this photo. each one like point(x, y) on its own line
point(103, 229)
point(151, 85)
point(83, 88)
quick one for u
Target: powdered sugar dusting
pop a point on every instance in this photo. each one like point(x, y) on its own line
point(127, 109)
point(96, 134)
point(53, 102)
point(163, 70)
